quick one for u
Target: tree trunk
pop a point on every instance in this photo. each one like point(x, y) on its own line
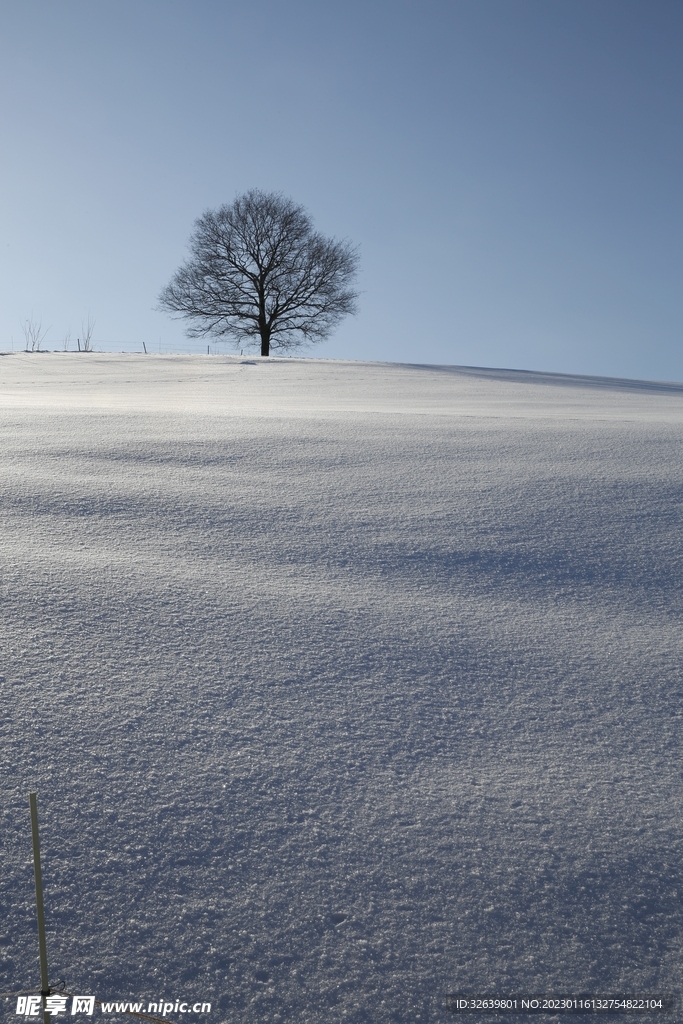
point(264, 331)
point(263, 325)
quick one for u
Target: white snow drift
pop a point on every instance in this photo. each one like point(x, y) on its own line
point(343, 686)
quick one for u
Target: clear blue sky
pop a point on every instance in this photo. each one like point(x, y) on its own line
point(511, 169)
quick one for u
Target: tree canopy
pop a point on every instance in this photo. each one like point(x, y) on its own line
point(259, 273)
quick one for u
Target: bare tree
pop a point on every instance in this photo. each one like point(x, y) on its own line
point(259, 273)
point(87, 328)
point(34, 334)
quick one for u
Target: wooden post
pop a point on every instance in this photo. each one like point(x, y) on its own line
point(42, 945)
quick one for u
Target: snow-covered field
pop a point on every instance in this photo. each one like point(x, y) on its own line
point(343, 686)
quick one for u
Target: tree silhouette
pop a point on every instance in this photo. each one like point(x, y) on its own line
point(259, 273)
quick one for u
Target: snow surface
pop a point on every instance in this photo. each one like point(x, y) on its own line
point(343, 686)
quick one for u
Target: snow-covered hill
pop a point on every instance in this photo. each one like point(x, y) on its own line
point(343, 686)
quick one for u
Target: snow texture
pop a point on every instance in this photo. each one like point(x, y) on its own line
point(343, 686)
